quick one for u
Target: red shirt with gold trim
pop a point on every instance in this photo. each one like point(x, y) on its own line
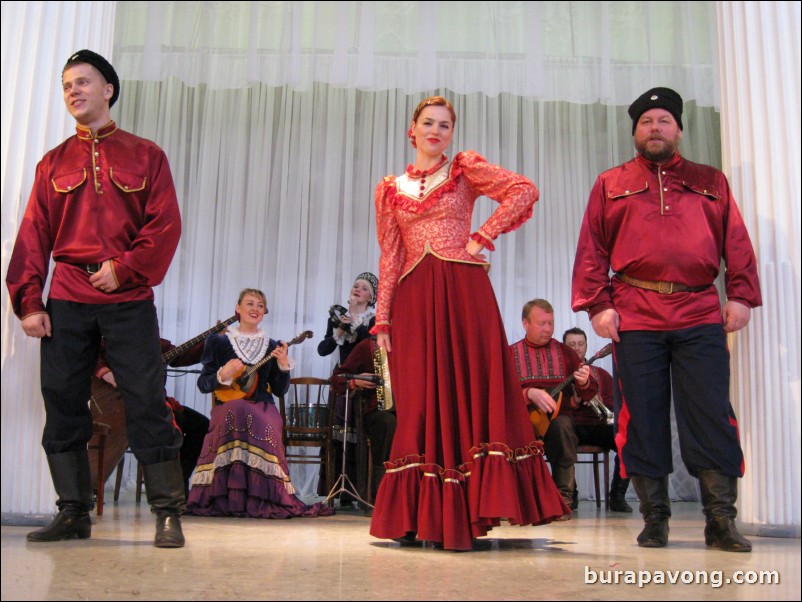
point(107, 196)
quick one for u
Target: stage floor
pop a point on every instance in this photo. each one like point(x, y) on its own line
point(335, 558)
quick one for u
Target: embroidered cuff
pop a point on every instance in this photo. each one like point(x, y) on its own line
point(381, 327)
point(483, 239)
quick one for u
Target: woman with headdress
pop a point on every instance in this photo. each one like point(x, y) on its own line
point(344, 330)
point(464, 455)
point(346, 327)
point(242, 469)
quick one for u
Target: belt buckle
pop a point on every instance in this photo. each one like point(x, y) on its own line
point(665, 288)
point(93, 268)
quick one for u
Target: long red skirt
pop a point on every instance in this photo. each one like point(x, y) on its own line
point(464, 454)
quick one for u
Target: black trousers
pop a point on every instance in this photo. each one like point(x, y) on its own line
point(133, 352)
point(564, 435)
point(194, 427)
point(692, 366)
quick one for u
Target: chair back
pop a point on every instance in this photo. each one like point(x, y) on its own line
point(305, 408)
point(308, 415)
point(305, 411)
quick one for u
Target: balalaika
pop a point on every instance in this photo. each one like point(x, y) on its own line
point(384, 392)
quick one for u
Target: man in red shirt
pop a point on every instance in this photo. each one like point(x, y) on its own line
point(104, 206)
point(543, 363)
point(663, 225)
point(593, 428)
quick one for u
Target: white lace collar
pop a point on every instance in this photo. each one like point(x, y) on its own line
point(250, 347)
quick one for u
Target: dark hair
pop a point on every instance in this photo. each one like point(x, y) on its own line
point(541, 303)
point(434, 101)
point(574, 330)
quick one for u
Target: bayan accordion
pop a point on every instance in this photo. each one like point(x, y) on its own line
point(384, 392)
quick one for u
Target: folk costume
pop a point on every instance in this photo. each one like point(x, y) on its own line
point(463, 456)
point(664, 229)
point(242, 470)
point(545, 367)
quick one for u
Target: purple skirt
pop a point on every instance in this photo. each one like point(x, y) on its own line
point(242, 469)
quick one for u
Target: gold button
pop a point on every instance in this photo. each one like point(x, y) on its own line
point(69, 187)
point(626, 192)
point(97, 168)
point(126, 187)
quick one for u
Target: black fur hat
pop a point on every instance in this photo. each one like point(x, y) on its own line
point(656, 98)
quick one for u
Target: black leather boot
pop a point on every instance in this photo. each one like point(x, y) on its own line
point(655, 509)
point(164, 485)
point(563, 477)
point(618, 493)
point(71, 478)
point(719, 493)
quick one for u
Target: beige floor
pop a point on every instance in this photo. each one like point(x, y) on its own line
point(335, 559)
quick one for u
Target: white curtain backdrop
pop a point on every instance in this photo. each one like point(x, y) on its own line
point(279, 118)
point(582, 52)
point(762, 90)
point(37, 39)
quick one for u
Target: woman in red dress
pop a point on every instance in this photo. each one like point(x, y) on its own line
point(464, 455)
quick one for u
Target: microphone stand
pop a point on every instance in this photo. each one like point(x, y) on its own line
point(343, 482)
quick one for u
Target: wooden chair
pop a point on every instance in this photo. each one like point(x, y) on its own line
point(308, 415)
point(100, 436)
point(596, 451)
point(140, 479)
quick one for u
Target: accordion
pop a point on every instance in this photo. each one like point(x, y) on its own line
point(384, 392)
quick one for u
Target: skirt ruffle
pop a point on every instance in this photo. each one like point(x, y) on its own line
point(455, 506)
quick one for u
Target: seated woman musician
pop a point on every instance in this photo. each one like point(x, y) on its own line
point(346, 327)
point(242, 470)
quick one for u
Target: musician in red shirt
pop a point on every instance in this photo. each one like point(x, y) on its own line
point(542, 363)
point(104, 206)
point(662, 225)
point(379, 425)
point(592, 424)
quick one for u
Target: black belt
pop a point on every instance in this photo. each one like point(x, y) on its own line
point(90, 268)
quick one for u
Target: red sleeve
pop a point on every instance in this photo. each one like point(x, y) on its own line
point(591, 288)
point(573, 363)
point(359, 361)
point(393, 253)
point(741, 276)
point(30, 260)
point(605, 385)
point(515, 194)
